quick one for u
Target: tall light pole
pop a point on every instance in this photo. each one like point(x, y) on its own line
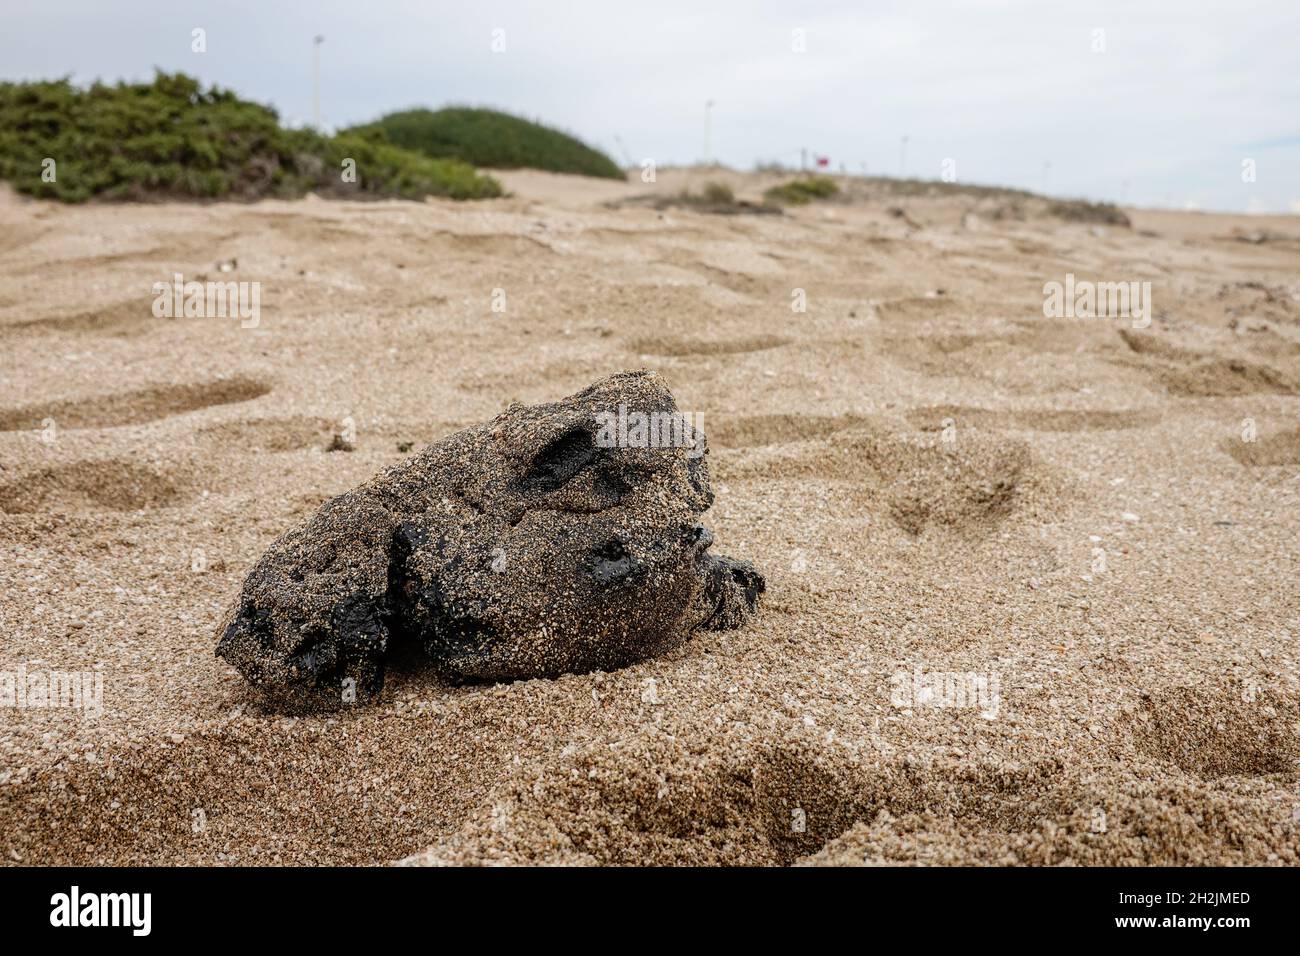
point(622, 148)
point(315, 80)
point(708, 115)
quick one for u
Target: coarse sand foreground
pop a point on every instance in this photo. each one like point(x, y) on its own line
point(1032, 582)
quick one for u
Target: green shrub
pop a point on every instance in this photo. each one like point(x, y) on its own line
point(713, 195)
point(718, 193)
point(487, 138)
point(387, 170)
point(714, 198)
point(1081, 210)
point(798, 192)
point(170, 138)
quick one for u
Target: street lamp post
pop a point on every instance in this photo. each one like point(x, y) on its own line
point(315, 80)
point(708, 115)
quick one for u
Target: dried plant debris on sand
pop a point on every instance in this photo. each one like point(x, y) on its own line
point(530, 546)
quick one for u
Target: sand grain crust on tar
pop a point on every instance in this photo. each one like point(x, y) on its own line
point(539, 543)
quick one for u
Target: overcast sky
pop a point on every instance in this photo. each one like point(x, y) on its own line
point(1180, 94)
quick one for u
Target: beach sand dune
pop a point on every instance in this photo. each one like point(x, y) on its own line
point(1031, 581)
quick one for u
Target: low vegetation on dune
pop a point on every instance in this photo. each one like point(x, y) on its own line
point(714, 198)
point(800, 192)
point(712, 194)
point(718, 199)
point(1081, 210)
point(993, 202)
point(173, 139)
point(491, 139)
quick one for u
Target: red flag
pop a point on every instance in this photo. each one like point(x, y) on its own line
point(823, 161)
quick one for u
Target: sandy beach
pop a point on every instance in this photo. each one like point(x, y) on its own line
point(1031, 581)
